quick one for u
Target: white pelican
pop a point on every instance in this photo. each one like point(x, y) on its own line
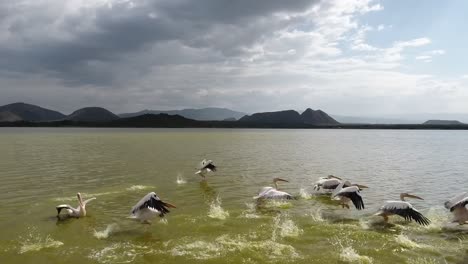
point(328, 183)
point(403, 209)
point(347, 194)
point(149, 207)
point(205, 166)
point(78, 212)
point(457, 205)
point(273, 193)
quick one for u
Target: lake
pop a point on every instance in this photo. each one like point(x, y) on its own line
point(217, 221)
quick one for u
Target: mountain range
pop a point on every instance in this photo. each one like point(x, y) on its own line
point(207, 114)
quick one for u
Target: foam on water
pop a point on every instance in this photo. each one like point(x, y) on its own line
point(225, 244)
point(250, 212)
point(424, 261)
point(106, 232)
point(118, 253)
point(405, 242)
point(35, 242)
point(138, 187)
point(216, 211)
point(349, 254)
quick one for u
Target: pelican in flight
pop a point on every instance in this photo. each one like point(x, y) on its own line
point(328, 183)
point(273, 192)
point(403, 209)
point(78, 212)
point(352, 193)
point(457, 205)
point(149, 207)
point(205, 166)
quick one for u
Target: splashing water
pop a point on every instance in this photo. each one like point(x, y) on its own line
point(216, 211)
point(34, 242)
point(180, 179)
point(285, 226)
point(304, 194)
point(349, 254)
point(106, 232)
point(316, 214)
point(251, 212)
point(118, 253)
point(405, 242)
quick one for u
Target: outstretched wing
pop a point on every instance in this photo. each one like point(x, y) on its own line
point(354, 195)
point(458, 201)
point(153, 202)
point(405, 210)
point(63, 206)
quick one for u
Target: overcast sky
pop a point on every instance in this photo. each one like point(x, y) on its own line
point(353, 57)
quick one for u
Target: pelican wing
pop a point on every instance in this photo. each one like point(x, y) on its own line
point(354, 195)
point(331, 184)
point(63, 206)
point(272, 193)
point(204, 164)
point(405, 210)
point(459, 200)
point(89, 200)
point(152, 202)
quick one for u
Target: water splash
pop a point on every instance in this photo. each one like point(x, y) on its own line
point(106, 232)
point(285, 226)
point(250, 212)
point(180, 179)
point(406, 242)
point(316, 214)
point(216, 211)
point(424, 261)
point(304, 194)
point(35, 242)
point(349, 254)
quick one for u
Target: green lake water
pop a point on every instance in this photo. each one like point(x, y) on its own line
point(217, 221)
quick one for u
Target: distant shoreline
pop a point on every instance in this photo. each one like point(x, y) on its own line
point(229, 124)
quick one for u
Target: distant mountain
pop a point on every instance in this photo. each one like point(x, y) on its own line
point(286, 117)
point(442, 122)
point(159, 120)
point(308, 117)
point(92, 114)
point(32, 113)
point(317, 117)
point(210, 113)
point(7, 116)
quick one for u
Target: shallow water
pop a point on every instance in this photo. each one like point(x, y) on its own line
point(216, 221)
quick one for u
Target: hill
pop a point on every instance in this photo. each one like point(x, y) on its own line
point(308, 117)
point(206, 114)
point(279, 117)
point(442, 122)
point(159, 120)
point(92, 114)
point(317, 117)
point(7, 116)
point(32, 113)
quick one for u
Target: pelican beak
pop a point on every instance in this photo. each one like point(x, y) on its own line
point(333, 176)
point(362, 186)
point(279, 179)
point(414, 196)
point(170, 205)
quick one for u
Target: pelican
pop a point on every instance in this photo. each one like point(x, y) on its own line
point(78, 212)
point(328, 183)
point(149, 207)
point(350, 193)
point(403, 209)
point(457, 205)
point(205, 166)
point(273, 192)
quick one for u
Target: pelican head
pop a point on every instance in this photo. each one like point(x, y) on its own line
point(80, 200)
point(275, 180)
point(169, 205)
point(407, 195)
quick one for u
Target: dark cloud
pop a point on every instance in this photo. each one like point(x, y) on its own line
point(87, 47)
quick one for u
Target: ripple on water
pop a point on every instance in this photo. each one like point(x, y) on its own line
point(216, 211)
point(35, 242)
point(121, 252)
point(139, 187)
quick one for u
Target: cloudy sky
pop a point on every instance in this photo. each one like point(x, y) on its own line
point(353, 57)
